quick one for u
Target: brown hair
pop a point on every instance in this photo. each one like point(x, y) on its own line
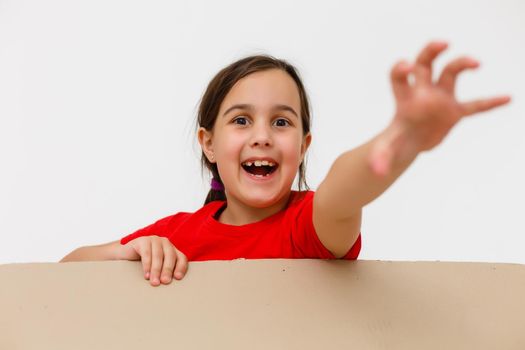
point(219, 87)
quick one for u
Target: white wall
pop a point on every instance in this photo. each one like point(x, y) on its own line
point(98, 98)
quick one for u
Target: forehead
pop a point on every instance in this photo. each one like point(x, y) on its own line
point(264, 89)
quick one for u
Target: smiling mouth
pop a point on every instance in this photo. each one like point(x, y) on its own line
point(263, 170)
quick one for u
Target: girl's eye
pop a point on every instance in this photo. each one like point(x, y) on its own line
point(243, 121)
point(240, 118)
point(286, 122)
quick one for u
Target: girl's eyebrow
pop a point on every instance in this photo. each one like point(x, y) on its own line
point(245, 106)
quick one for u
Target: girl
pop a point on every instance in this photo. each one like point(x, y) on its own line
point(254, 131)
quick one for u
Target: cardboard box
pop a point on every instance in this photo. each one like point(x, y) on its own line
point(264, 304)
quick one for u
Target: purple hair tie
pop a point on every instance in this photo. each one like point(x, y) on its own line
point(216, 185)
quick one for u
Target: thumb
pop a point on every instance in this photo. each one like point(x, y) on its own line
point(129, 251)
point(380, 159)
point(384, 150)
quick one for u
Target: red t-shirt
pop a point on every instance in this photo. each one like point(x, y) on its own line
point(289, 233)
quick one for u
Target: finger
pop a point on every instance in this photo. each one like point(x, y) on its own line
point(144, 250)
point(399, 78)
point(477, 106)
point(423, 66)
point(170, 257)
point(157, 257)
point(448, 77)
point(182, 265)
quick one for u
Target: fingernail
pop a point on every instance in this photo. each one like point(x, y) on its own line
point(178, 275)
point(147, 275)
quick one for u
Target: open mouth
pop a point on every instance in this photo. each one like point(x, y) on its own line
point(260, 169)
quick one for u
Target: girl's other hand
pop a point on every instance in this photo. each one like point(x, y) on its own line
point(425, 110)
point(161, 261)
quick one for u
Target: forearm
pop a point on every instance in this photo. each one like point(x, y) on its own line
point(351, 184)
point(108, 251)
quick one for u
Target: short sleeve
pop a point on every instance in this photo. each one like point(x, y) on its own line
point(306, 240)
point(162, 228)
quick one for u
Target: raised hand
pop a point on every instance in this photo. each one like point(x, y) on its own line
point(425, 110)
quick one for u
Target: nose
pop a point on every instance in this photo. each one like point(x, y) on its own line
point(261, 135)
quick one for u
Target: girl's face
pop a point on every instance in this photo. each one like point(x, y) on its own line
point(259, 119)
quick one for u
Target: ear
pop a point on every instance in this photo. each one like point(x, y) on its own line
point(306, 144)
point(205, 138)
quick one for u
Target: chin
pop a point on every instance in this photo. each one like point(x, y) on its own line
point(260, 199)
point(260, 202)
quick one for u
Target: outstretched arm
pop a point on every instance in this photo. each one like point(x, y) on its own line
point(425, 113)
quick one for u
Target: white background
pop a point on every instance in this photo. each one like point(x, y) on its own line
point(98, 100)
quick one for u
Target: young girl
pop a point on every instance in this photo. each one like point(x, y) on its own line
point(254, 131)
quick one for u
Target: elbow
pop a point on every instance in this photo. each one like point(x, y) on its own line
point(70, 257)
point(65, 259)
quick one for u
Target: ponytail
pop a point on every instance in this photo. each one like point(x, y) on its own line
point(216, 192)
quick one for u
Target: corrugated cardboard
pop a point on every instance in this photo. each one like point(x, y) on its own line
point(264, 304)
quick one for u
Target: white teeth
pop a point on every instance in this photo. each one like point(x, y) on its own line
point(259, 163)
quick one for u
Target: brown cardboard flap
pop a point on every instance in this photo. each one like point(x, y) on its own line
point(264, 304)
